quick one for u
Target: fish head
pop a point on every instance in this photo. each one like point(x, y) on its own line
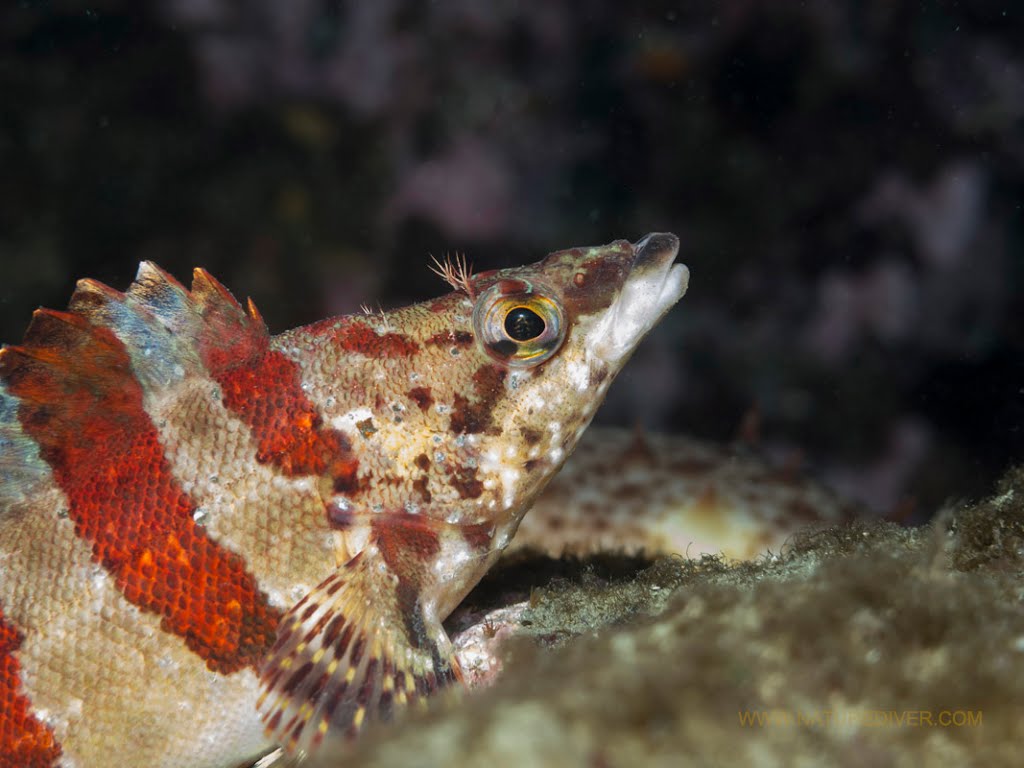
point(461, 408)
point(561, 330)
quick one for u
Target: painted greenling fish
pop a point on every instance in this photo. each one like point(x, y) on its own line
point(214, 541)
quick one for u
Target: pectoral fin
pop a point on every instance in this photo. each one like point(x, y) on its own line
point(360, 646)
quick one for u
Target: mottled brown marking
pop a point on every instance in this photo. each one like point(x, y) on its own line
point(449, 338)
point(422, 397)
point(464, 480)
point(420, 486)
point(360, 338)
point(531, 436)
point(422, 461)
point(358, 647)
point(407, 543)
point(478, 535)
point(472, 417)
point(345, 476)
point(531, 464)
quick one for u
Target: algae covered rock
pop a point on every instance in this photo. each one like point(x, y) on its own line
point(867, 644)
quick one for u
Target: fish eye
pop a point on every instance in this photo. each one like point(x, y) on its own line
point(519, 323)
point(523, 324)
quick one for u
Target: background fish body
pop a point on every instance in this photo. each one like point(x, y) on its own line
point(201, 522)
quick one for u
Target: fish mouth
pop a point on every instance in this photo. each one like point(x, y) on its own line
point(654, 284)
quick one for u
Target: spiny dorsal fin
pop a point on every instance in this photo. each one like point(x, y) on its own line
point(356, 648)
point(230, 336)
point(68, 360)
point(167, 330)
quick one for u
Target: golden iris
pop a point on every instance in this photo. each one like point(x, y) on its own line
point(522, 328)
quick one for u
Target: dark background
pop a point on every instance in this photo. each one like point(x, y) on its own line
point(847, 178)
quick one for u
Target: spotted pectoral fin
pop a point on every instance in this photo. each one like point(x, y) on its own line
point(359, 647)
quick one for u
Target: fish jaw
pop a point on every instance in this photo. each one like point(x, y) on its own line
point(655, 283)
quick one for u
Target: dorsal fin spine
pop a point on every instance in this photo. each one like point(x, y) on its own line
point(168, 333)
point(50, 325)
point(254, 313)
point(165, 297)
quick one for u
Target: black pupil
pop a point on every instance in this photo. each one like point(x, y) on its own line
point(523, 324)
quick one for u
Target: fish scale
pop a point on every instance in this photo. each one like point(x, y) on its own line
point(216, 541)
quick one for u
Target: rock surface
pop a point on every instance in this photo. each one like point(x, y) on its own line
point(868, 644)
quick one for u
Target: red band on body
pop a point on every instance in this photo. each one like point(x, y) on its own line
point(82, 404)
point(267, 395)
point(25, 742)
